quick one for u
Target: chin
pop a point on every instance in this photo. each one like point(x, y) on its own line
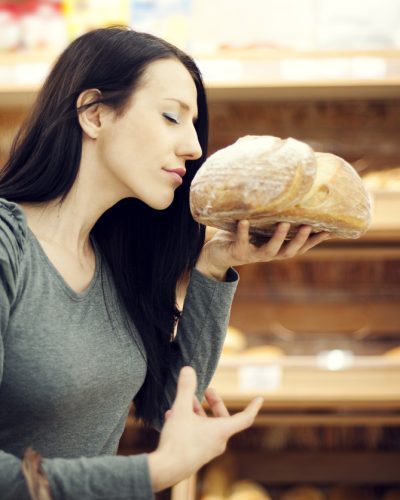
point(161, 203)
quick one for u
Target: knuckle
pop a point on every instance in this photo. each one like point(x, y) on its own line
point(269, 254)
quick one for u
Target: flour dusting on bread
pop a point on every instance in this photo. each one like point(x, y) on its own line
point(267, 180)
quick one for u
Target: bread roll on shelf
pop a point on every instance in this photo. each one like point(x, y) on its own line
point(217, 478)
point(235, 341)
point(264, 351)
point(248, 490)
point(383, 180)
point(268, 180)
point(303, 493)
point(394, 352)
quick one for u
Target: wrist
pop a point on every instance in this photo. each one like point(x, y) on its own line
point(209, 270)
point(158, 474)
point(215, 274)
point(163, 472)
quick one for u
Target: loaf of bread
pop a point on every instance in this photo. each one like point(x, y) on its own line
point(267, 180)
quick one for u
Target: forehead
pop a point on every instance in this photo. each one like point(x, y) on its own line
point(168, 78)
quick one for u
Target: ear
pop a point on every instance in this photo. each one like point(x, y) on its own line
point(90, 118)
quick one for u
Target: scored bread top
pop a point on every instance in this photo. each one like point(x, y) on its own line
point(267, 180)
point(244, 176)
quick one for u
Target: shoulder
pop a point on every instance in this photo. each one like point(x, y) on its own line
point(13, 230)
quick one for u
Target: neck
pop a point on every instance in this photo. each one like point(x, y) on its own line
point(68, 223)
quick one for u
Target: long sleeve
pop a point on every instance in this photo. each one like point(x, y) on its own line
point(96, 478)
point(202, 329)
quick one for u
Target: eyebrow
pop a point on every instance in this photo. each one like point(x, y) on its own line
point(183, 104)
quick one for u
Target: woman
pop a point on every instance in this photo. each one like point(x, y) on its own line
point(95, 236)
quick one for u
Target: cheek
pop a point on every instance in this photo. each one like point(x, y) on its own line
point(118, 152)
point(135, 152)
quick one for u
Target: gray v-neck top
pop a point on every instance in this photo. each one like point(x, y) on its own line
point(69, 368)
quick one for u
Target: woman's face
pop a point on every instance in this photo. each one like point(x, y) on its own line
point(154, 136)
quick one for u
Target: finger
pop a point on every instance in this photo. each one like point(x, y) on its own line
point(197, 408)
point(293, 247)
point(243, 233)
point(243, 419)
point(186, 388)
point(314, 240)
point(216, 403)
point(273, 246)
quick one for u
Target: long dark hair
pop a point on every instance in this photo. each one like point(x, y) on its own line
point(148, 251)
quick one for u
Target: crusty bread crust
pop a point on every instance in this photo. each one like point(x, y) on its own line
point(268, 180)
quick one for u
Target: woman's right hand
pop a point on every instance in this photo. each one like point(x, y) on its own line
point(189, 438)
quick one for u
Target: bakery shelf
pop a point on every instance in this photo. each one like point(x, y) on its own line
point(303, 90)
point(290, 382)
point(287, 75)
point(245, 75)
point(12, 97)
point(299, 316)
point(365, 467)
point(24, 95)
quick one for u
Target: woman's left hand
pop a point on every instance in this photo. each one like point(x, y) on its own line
point(226, 249)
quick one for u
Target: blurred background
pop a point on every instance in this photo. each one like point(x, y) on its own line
point(204, 25)
point(319, 335)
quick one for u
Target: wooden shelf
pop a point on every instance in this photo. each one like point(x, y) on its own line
point(290, 382)
point(17, 98)
point(24, 95)
point(246, 75)
point(303, 90)
point(305, 315)
point(366, 467)
point(274, 468)
point(290, 75)
point(266, 54)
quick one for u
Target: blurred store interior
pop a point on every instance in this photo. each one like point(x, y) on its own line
point(319, 335)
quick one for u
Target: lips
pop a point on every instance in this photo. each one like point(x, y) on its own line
point(180, 171)
point(177, 174)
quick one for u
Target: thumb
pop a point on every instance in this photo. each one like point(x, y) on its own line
point(186, 387)
point(245, 418)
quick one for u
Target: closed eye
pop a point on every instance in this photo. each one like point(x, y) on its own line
point(171, 118)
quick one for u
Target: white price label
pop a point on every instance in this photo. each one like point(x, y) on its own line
point(267, 378)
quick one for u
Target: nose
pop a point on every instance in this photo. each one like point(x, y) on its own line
point(190, 148)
